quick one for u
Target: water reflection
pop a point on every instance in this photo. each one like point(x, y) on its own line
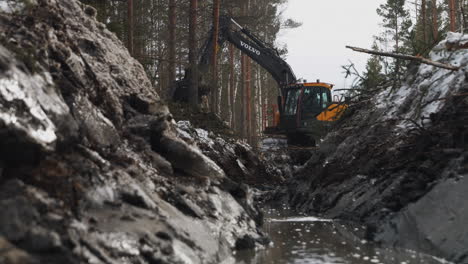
point(313, 240)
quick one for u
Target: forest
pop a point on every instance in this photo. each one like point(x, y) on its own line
point(158, 35)
point(241, 93)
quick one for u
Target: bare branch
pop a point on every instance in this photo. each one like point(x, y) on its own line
point(406, 57)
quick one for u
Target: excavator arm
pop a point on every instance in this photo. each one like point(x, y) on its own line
point(252, 46)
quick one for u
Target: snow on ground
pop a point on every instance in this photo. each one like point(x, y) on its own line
point(418, 98)
point(35, 93)
point(9, 6)
point(273, 144)
point(12, 89)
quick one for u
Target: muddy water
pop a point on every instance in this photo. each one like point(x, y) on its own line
point(313, 240)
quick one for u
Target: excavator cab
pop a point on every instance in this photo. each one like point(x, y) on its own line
point(307, 112)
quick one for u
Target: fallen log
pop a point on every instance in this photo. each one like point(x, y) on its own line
point(406, 57)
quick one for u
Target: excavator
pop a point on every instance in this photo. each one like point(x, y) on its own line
point(305, 109)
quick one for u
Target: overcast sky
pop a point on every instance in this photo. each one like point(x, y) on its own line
point(317, 49)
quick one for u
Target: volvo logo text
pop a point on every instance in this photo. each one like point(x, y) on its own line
point(250, 48)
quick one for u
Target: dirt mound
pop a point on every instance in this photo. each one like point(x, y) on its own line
point(92, 169)
point(398, 162)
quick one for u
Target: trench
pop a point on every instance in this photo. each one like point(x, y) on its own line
point(306, 239)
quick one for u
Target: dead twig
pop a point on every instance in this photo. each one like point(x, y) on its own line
point(406, 57)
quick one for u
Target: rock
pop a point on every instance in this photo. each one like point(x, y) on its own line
point(236, 158)
point(434, 216)
point(18, 216)
point(9, 254)
point(245, 242)
point(97, 128)
point(41, 240)
point(30, 106)
point(185, 205)
point(160, 162)
point(182, 156)
point(134, 195)
point(163, 235)
point(1, 170)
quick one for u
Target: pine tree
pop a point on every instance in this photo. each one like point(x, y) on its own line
point(396, 22)
point(373, 76)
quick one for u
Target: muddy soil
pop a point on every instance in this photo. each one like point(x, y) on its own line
point(93, 167)
point(397, 162)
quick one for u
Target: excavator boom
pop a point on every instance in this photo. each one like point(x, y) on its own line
point(252, 46)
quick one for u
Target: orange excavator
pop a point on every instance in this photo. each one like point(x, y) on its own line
point(304, 111)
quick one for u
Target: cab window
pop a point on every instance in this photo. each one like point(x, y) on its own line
point(290, 107)
point(314, 101)
point(325, 99)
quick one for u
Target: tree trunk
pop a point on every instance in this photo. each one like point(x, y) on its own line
point(193, 86)
point(130, 26)
point(242, 96)
point(248, 99)
point(452, 15)
point(424, 21)
point(463, 16)
point(231, 84)
point(397, 37)
point(171, 71)
point(214, 92)
point(435, 21)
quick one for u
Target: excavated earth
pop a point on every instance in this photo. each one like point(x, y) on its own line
point(398, 161)
point(93, 168)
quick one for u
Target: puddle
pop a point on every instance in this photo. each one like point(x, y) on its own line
point(304, 219)
point(313, 240)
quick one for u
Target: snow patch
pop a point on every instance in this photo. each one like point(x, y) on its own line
point(428, 92)
point(10, 7)
point(273, 144)
point(12, 90)
point(28, 100)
